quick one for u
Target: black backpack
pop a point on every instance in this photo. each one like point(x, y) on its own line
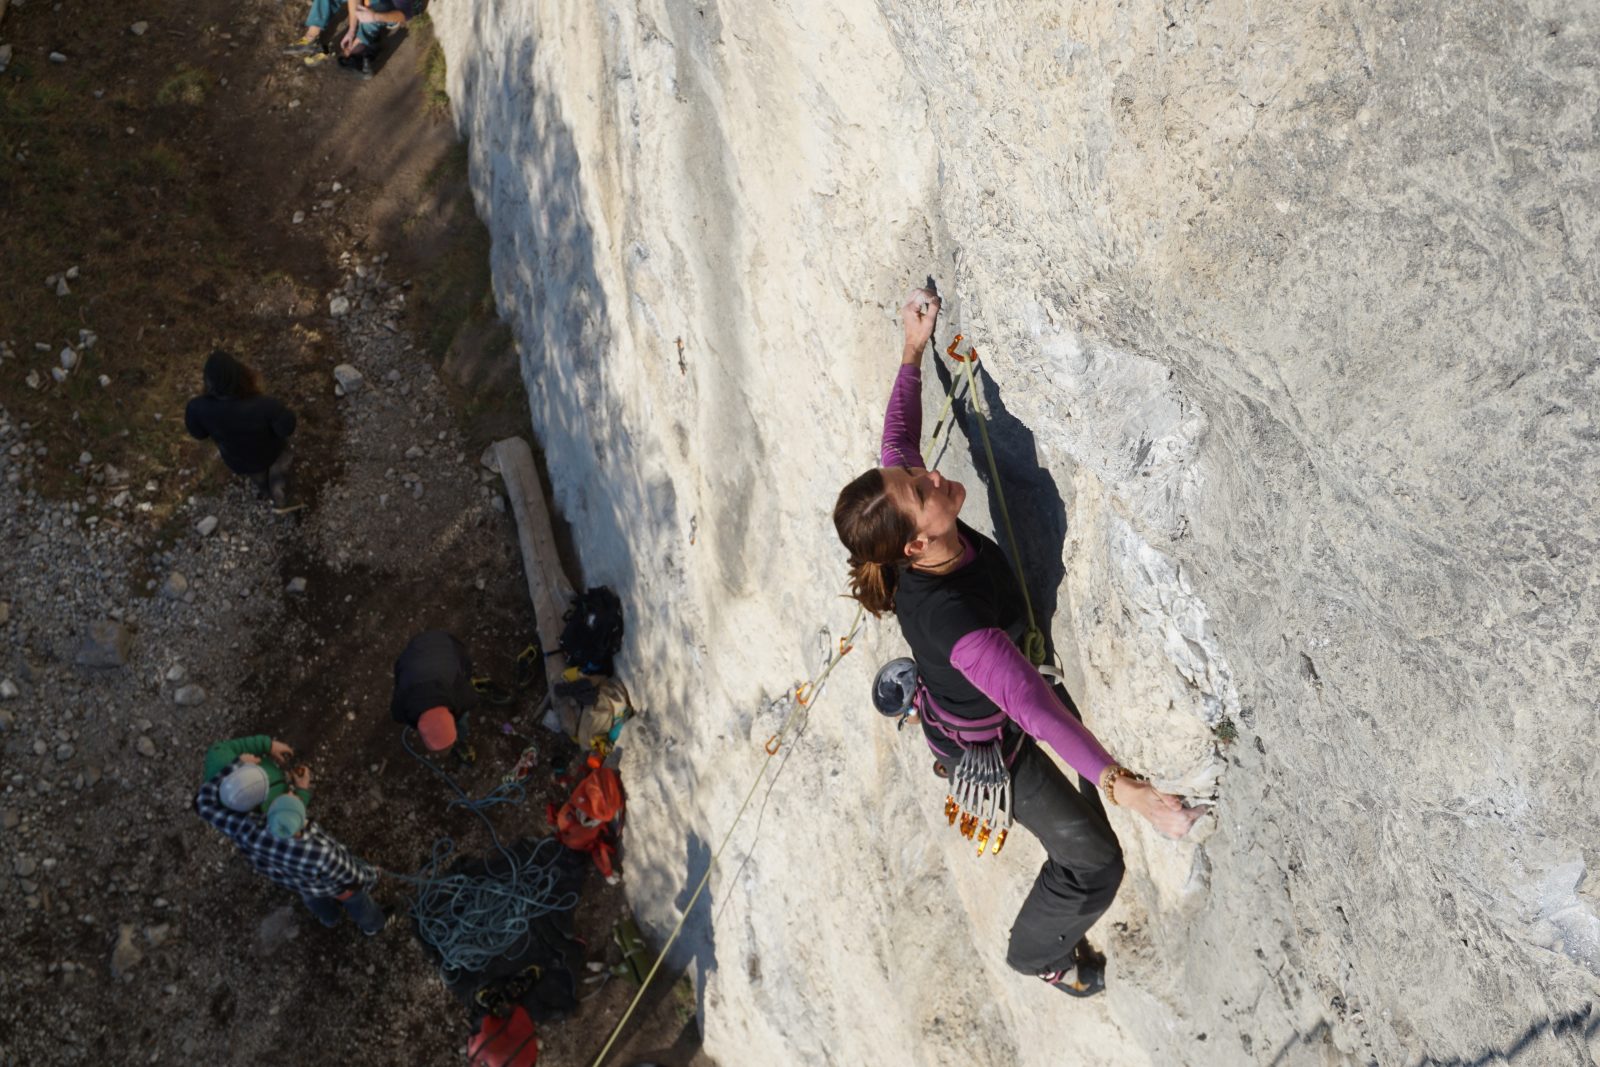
point(592, 635)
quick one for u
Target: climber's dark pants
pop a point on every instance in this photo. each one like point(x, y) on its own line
point(1078, 880)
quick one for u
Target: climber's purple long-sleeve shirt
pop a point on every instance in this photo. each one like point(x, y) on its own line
point(986, 657)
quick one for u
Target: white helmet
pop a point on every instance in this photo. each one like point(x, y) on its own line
point(244, 788)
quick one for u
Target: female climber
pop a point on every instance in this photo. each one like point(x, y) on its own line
point(961, 610)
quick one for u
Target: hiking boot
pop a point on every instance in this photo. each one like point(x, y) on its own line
point(307, 45)
point(359, 65)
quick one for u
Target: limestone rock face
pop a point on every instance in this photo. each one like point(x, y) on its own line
point(1286, 316)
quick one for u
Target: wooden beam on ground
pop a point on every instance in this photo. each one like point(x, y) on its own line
point(548, 585)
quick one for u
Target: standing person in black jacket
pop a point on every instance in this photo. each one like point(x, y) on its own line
point(433, 691)
point(251, 431)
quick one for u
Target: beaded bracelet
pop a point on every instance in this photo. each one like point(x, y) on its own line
point(1108, 780)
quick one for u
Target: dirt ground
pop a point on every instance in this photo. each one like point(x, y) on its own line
point(169, 167)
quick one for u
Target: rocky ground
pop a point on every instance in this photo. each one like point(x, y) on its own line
point(151, 604)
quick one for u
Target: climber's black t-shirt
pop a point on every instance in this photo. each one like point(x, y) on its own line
point(937, 610)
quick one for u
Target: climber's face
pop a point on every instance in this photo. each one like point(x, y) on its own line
point(929, 499)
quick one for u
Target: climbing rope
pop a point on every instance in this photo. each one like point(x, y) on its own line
point(471, 920)
point(804, 698)
point(1033, 643)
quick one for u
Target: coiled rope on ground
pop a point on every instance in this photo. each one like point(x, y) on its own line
point(471, 920)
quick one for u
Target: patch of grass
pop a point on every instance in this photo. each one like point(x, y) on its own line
point(434, 70)
point(1225, 731)
point(187, 87)
point(156, 163)
point(455, 292)
point(77, 190)
point(458, 291)
point(683, 998)
point(449, 170)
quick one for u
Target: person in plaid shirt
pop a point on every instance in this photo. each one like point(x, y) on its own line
point(309, 862)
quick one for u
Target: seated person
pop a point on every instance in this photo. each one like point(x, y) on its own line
point(359, 45)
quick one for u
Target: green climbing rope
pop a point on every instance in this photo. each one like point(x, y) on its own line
point(1033, 643)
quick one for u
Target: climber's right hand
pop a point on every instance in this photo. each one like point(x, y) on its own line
point(1165, 811)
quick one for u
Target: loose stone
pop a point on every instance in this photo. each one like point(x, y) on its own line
point(189, 695)
point(348, 378)
point(175, 586)
point(105, 645)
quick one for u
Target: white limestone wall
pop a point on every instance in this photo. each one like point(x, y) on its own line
point(1288, 322)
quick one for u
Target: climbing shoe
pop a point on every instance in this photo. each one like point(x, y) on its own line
point(307, 45)
point(1086, 976)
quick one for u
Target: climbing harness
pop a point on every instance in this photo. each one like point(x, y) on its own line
point(980, 796)
point(798, 703)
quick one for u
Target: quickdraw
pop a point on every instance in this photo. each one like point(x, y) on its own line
point(979, 800)
point(972, 353)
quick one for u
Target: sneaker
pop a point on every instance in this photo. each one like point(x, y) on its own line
point(305, 46)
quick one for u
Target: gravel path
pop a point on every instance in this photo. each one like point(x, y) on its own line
point(135, 637)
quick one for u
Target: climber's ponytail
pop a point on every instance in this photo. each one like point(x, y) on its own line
point(875, 532)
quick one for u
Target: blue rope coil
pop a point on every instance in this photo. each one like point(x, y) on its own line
point(471, 920)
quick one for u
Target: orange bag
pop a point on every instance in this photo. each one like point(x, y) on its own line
point(589, 820)
point(509, 1042)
